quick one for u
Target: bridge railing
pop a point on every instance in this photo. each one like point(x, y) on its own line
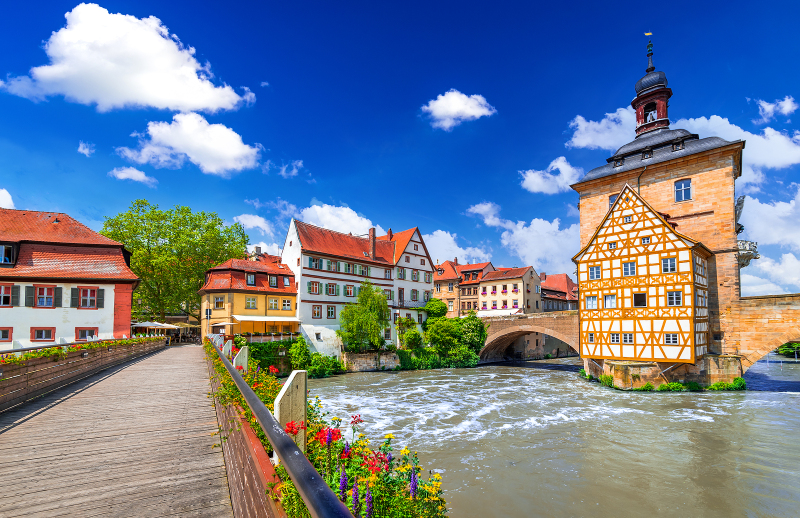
point(320, 499)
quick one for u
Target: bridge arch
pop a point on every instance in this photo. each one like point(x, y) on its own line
point(503, 331)
point(767, 346)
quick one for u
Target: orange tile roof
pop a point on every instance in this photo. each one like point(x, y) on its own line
point(254, 266)
point(449, 271)
point(506, 273)
point(560, 282)
point(338, 244)
point(401, 240)
point(232, 275)
point(58, 261)
point(471, 267)
point(47, 227)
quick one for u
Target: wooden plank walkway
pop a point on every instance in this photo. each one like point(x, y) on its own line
point(135, 440)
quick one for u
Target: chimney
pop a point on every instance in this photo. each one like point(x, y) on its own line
point(258, 250)
point(389, 234)
point(542, 276)
point(372, 243)
point(455, 260)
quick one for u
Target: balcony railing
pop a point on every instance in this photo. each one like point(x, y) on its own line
point(410, 304)
point(748, 250)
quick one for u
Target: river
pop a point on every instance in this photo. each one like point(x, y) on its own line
point(533, 439)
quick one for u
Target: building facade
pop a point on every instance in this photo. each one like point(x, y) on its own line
point(510, 291)
point(258, 295)
point(660, 261)
point(60, 281)
point(446, 281)
point(559, 292)
point(330, 266)
point(470, 278)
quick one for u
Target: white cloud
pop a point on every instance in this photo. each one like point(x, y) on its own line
point(452, 108)
point(85, 148)
point(249, 221)
point(542, 244)
point(341, 219)
point(118, 61)
point(774, 223)
point(214, 148)
point(295, 165)
point(785, 272)
point(767, 111)
point(612, 132)
point(547, 183)
point(129, 173)
point(5, 200)
point(442, 247)
point(264, 83)
point(753, 286)
point(272, 248)
point(248, 96)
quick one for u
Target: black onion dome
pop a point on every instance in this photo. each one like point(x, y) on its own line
point(650, 80)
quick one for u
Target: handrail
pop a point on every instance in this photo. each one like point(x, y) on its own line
point(320, 499)
point(51, 346)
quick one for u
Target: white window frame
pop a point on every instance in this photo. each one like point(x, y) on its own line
point(627, 338)
point(591, 302)
point(251, 279)
point(669, 265)
point(612, 298)
point(250, 303)
point(671, 295)
point(273, 303)
point(595, 273)
point(629, 269)
point(614, 338)
point(671, 339)
point(287, 304)
point(590, 338)
point(646, 240)
point(219, 302)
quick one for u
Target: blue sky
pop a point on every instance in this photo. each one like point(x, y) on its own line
point(468, 120)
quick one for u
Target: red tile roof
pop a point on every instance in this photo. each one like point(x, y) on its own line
point(47, 227)
point(232, 275)
point(449, 271)
point(471, 267)
point(401, 240)
point(254, 266)
point(338, 244)
point(69, 262)
point(507, 273)
point(560, 282)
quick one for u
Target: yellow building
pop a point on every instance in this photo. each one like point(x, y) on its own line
point(255, 296)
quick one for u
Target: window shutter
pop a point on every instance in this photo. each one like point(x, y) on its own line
point(29, 296)
point(337, 290)
point(57, 297)
point(73, 298)
point(338, 266)
point(309, 286)
point(329, 265)
point(369, 270)
point(310, 262)
point(101, 296)
point(15, 295)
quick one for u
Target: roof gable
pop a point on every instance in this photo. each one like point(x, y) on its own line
point(48, 227)
point(339, 244)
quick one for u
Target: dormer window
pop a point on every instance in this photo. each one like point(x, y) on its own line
point(251, 279)
point(618, 162)
point(677, 146)
point(647, 153)
point(7, 254)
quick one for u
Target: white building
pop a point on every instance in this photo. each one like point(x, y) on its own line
point(330, 266)
point(60, 282)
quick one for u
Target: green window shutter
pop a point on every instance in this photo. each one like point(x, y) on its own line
point(310, 262)
point(337, 290)
point(73, 298)
point(57, 297)
point(309, 286)
point(338, 266)
point(101, 296)
point(15, 295)
point(369, 270)
point(329, 265)
point(29, 296)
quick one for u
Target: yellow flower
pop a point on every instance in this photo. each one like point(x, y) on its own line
point(389, 436)
point(404, 451)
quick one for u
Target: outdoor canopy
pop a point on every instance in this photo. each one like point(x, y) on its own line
point(248, 318)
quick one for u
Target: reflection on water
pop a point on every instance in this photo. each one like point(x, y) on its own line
point(521, 440)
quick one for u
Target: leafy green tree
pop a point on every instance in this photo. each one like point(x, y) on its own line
point(171, 251)
point(362, 323)
point(473, 332)
point(413, 339)
point(444, 334)
point(403, 326)
point(300, 355)
point(435, 308)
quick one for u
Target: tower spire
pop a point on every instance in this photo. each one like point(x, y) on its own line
point(650, 66)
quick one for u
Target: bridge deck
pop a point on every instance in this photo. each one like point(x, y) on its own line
point(135, 440)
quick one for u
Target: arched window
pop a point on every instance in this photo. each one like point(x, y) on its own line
point(650, 112)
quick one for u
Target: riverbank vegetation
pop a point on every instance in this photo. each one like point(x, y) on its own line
point(288, 355)
point(790, 350)
point(373, 483)
point(607, 380)
point(59, 352)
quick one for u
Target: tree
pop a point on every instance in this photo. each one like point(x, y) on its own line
point(444, 334)
point(473, 332)
point(435, 308)
point(362, 323)
point(413, 340)
point(171, 251)
point(403, 325)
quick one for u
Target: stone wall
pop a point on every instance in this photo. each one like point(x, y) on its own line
point(364, 362)
point(631, 374)
point(762, 325)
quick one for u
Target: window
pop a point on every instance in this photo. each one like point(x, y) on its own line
point(287, 329)
point(594, 273)
point(415, 275)
point(416, 247)
point(414, 295)
point(515, 303)
point(408, 315)
point(387, 294)
point(483, 305)
point(438, 288)
point(650, 113)
point(645, 240)
point(408, 259)
point(640, 300)
point(348, 290)
point(627, 338)
point(674, 298)
point(44, 297)
point(219, 302)
point(250, 303)
point(316, 312)
point(387, 274)
point(677, 146)
point(427, 296)
point(45, 333)
point(6, 254)
point(628, 269)
point(613, 197)
point(287, 304)
point(463, 305)
point(590, 338)
point(626, 219)
point(538, 289)
point(313, 287)
point(683, 190)
point(318, 336)
point(331, 312)
point(387, 333)
point(505, 288)
point(286, 280)
point(494, 290)
point(428, 277)
point(5, 294)
point(671, 338)
point(422, 262)
point(591, 302)
point(647, 153)
point(348, 268)
point(668, 265)
point(610, 301)
point(273, 281)
point(612, 246)
point(251, 279)
point(88, 297)
point(494, 304)
point(449, 305)
point(331, 289)
point(86, 333)
point(401, 273)
point(449, 286)
point(515, 288)
point(618, 162)
point(614, 338)
point(419, 318)
point(537, 304)
point(314, 263)
point(273, 303)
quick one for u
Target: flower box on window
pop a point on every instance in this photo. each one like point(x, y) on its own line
point(528, 290)
point(515, 306)
point(494, 292)
point(505, 307)
point(515, 290)
point(505, 291)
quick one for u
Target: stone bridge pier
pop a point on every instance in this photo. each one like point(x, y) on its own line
point(502, 331)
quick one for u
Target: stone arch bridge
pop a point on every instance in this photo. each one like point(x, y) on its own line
point(503, 331)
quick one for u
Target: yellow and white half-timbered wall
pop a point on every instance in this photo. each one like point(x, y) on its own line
point(643, 288)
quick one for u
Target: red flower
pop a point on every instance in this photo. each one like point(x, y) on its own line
point(273, 369)
point(239, 368)
point(356, 420)
point(322, 435)
point(292, 428)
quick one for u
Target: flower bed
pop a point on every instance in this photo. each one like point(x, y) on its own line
point(373, 483)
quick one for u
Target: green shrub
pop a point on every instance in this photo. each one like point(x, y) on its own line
point(299, 354)
point(739, 384)
point(413, 339)
point(548, 356)
point(607, 380)
point(322, 366)
point(647, 387)
point(693, 386)
point(582, 373)
point(461, 357)
point(671, 387)
point(789, 350)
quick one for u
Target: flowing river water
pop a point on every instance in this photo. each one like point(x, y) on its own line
point(533, 439)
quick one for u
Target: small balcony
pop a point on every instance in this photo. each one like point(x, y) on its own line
point(748, 250)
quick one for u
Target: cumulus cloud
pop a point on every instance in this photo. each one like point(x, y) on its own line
point(452, 108)
point(612, 132)
point(773, 223)
point(214, 148)
point(5, 200)
point(295, 166)
point(442, 246)
point(264, 83)
point(785, 271)
point(272, 248)
point(249, 221)
point(767, 111)
point(753, 286)
point(129, 173)
point(119, 61)
point(341, 219)
point(542, 244)
point(248, 96)
point(547, 183)
point(85, 148)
